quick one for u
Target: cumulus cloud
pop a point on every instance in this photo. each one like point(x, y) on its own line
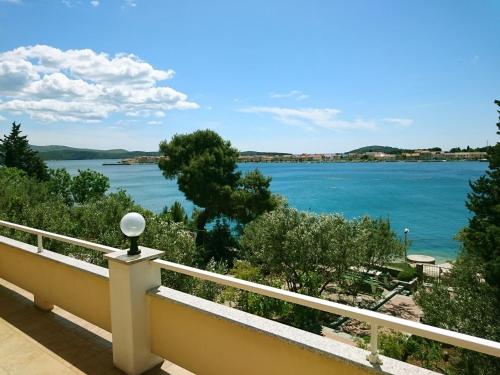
point(312, 117)
point(294, 94)
point(83, 85)
point(403, 122)
point(95, 3)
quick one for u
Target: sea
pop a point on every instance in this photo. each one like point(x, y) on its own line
point(428, 198)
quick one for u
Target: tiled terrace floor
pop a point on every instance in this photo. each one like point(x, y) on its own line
point(37, 342)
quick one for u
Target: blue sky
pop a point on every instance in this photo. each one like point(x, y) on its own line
point(292, 76)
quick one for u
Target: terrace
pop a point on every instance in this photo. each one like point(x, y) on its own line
point(120, 319)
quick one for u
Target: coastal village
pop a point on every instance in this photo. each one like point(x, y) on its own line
point(375, 156)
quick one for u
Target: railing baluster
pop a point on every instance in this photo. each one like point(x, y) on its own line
point(373, 357)
point(40, 242)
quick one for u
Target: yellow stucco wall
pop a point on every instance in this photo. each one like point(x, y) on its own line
point(205, 344)
point(81, 292)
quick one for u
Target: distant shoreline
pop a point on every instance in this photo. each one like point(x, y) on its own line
point(358, 161)
point(316, 161)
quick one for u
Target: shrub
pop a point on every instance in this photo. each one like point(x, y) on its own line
point(407, 274)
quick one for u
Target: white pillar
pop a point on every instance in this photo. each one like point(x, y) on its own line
point(130, 277)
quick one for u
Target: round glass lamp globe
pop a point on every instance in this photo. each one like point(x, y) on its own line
point(132, 224)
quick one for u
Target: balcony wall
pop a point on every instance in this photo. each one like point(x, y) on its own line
point(209, 338)
point(76, 286)
point(196, 334)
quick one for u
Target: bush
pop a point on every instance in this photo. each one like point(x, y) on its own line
point(26, 201)
point(412, 349)
point(407, 274)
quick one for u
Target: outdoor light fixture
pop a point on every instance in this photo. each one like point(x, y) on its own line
point(406, 243)
point(132, 226)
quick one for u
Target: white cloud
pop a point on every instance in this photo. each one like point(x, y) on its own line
point(50, 84)
point(312, 118)
point(153, 122)
point(12, 1)
point(403, 122)
point(294, 94)
point(95, 3)
point(2, 118)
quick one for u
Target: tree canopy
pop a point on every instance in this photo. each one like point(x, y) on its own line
point(205, 166)
point(15, 152)
point(87, 185)
point(308, 251)
point(482, 236)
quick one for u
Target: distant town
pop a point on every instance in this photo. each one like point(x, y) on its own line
point(416, 155)
point(365, 154)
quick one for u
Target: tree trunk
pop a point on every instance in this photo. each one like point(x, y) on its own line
point(201, 221)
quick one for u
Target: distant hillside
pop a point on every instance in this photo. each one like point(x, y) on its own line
point(384, 149)
point(55, 152)
point(257, 153)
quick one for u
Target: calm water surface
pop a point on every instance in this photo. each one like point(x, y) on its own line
point(428, 198)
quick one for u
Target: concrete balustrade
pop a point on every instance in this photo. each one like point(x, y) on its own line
point(208, 338)
point(150, 322)
point(54, 279)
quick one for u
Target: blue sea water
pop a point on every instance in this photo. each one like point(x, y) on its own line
point(427, 198)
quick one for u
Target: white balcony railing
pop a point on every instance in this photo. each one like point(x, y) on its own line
point(374, 319)
point(41, 234)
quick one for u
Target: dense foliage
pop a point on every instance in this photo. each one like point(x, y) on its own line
point(314, 255)
point(49, 206)
point(307, 252)
point(86, 186)
point(482, 236)
point(15, 152)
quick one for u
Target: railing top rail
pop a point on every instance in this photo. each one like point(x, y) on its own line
point(59, 237)
point(374, 318)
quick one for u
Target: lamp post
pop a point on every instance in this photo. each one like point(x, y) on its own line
point(132, 225)
point(406, 244)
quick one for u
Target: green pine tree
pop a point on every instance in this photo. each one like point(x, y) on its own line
point(15, 152)
point(482, 236)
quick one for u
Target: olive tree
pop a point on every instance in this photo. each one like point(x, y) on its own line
point(308, 252)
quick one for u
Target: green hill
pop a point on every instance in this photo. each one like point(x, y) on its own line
point(56, 152)
point(384, 149)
